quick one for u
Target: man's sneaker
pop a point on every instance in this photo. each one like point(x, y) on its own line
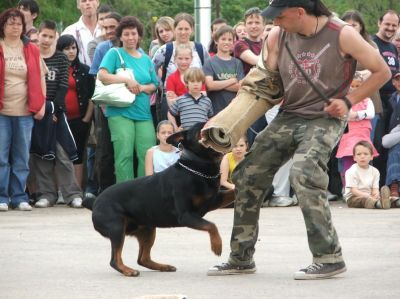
point(320, 270)
point(42, 203)
point(24, 206)
point(76, 203)
point(229, 269)
point(280, 201)
point(3, 207)
point(385, 197)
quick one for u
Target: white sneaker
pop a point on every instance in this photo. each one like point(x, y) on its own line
point(76, 203)
point(24, 206)
point(42, 203)
point(280, 201)
point(3, 207)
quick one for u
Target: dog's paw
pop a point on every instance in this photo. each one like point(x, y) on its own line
point(216, 245)
point(131, 272)
point(167, 268)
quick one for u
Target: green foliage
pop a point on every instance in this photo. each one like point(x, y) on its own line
point(65, 12)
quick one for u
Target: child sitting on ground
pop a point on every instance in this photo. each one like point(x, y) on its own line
point(192, 107)
point(362, 181)
point(160, 157)
point(229, 162)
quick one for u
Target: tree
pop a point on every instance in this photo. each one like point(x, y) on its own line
point(64, 12)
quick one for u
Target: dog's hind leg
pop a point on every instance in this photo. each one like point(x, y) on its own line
point(117, 238)
point(146, 237)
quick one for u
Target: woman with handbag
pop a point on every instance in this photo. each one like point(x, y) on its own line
point(131, 127)
point(77, 100)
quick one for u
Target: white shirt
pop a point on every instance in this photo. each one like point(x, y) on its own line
point(364, 179)
point(83, 36)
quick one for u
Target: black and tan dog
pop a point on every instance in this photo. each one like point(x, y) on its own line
point(178, 196)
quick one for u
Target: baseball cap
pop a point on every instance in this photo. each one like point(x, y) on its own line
point(276, 7)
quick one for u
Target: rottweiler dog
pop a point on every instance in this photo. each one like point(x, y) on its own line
point(179, 196)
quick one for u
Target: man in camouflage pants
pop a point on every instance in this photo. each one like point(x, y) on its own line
point(306, 129)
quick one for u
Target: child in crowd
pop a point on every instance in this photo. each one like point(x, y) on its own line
point(391, 141)
point(240, 30)
point(53, 146)
point(161, 156)
point(192, 107)
point(175, 86)
point(230, 160)
point(360, 127)
point(223, 72)
point(362, 181)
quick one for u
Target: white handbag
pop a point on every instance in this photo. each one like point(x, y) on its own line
point(116, 94)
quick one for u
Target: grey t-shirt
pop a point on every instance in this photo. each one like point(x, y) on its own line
point(221, 70)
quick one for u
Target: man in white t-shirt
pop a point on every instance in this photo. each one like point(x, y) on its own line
point(86, 29)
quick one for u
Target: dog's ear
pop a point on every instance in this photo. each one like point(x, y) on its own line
point(177, 138)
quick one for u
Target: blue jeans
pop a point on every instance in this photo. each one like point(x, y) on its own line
point(15, 142)
point(92, 185)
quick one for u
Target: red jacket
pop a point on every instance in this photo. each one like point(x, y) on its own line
point(36, 97)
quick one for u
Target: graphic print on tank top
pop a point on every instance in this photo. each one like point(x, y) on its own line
point(311, 64)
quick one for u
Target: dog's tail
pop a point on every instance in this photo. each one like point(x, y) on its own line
point(88, 202)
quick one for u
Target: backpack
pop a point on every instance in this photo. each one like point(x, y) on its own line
point(169, 48)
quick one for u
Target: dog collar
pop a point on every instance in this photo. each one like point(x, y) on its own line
point(199, 173)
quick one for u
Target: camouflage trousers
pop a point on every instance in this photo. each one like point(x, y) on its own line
point(310, 142)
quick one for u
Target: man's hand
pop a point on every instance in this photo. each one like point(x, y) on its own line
point(337, 108)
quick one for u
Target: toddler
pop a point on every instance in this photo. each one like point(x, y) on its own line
point(362, 181)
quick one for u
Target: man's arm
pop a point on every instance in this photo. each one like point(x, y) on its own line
point(271, 55)
point(352, 43)
point(249, 57)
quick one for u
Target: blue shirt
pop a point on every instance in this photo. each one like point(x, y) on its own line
point(99, 54)
point(191, 110)
point(144, 72)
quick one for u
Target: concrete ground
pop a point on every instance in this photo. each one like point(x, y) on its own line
point(55, 253)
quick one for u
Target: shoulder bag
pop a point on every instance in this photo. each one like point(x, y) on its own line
point(115, 94)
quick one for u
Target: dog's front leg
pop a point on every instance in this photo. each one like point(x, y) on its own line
point(223, 198)
point(194, 221)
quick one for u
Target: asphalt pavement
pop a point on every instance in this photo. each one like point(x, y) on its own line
point(56, 253)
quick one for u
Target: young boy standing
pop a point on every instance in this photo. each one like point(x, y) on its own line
point(223, 72)
point(192, 107)
point(52, 148)
point(362, 181)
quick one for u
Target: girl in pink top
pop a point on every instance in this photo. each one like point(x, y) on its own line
point(359, 126)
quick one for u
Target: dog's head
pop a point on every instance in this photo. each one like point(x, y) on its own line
point(189, 140)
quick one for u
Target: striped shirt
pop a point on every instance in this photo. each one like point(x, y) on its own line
point(191, 111)
point(57, 75)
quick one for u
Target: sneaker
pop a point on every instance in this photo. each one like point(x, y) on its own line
point(229, 269)
point(332, 197)
point(397, 203)
point(320, 270)
point(89, 195)
point(24, 206)
point(76, 203)
point(385, 197)
point(42, 203)
point(3, 207)
point(60, 199)
point(280, 201)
